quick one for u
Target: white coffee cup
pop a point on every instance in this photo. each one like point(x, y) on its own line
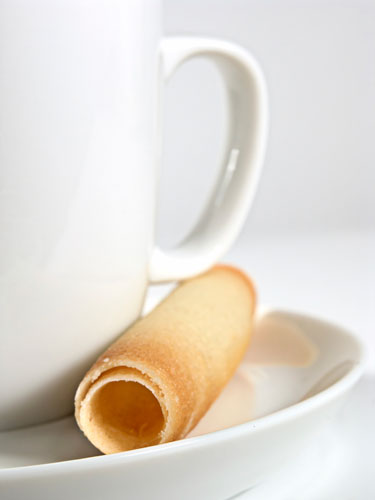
point(80, 98)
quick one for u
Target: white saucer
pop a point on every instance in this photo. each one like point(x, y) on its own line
point(291, 407)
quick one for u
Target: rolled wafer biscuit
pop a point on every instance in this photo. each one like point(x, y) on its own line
point(160, 377)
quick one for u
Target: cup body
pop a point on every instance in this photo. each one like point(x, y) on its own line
point(79, 86)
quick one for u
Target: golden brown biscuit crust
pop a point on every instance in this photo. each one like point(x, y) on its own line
point(183, 353)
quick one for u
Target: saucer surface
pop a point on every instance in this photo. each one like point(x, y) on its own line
point(287, 403)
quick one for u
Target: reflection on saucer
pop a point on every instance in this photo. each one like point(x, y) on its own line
point(280, 342)
point(275, 342)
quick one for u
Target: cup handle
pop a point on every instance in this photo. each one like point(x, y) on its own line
point(228, 205)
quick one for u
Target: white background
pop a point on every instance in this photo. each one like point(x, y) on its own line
point(319, 62)
point(309, 241)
